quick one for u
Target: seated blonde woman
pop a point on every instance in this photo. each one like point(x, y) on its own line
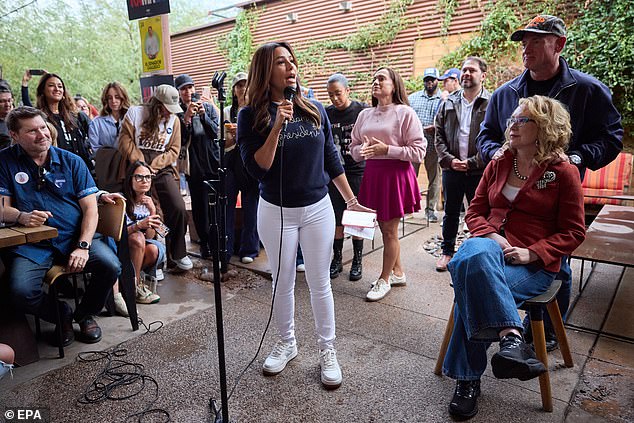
point(526, 214)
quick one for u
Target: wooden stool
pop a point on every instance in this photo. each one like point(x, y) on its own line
point(534, 306)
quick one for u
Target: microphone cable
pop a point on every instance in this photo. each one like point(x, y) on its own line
point(212, 403)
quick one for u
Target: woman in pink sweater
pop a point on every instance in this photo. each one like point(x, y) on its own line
point(389, 136)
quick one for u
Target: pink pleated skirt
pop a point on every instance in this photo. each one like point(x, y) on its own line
point(389, 187)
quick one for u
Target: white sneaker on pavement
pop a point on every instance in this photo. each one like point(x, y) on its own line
point(378, 291)
point(397, 280)
point(184, 263)
point(282, 353)
point(330, 371)
point(120, 306)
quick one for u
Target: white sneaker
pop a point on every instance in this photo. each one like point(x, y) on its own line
point(301, 268)
point(145, 296)
point(397, 280)
point(330, 371)
point(282, 353)
point(119, 305)
point(159, 275)
point(247, 260)
point(378, 291)
point(184, 263)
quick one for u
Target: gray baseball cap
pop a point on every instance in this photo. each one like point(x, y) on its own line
point(542, 24)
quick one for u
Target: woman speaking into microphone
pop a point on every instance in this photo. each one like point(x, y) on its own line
point(285, 142)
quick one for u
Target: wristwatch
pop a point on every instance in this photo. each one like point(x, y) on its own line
point(83, 245)
point(575, 159)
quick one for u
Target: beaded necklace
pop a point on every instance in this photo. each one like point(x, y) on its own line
point(517, 171)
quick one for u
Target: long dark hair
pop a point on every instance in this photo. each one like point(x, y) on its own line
point(152, 117)
point(258, 91)
point(67, 108)
point(125, 100)
point(128, 192)
point(399, 96)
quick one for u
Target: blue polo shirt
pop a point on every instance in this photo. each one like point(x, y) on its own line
point(65, 182)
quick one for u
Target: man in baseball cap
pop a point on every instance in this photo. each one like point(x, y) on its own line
point(597, 132)
point(425, 103)
point(542, 24)
point(450, 82)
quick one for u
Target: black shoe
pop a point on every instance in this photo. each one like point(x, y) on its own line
point(464, 403)
point(68, 334)
point(551, 342)
point(205, 252)
point(336, 266)
point(90, 331)
point(516, 360)
point(356, 268)
point(551, 338)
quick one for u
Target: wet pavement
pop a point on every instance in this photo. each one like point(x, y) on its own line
point(387, 351)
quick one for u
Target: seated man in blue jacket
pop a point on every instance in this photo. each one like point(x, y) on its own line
point(597, 132)
point(41, 185)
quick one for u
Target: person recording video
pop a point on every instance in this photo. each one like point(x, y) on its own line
point(286, 142)
point(199, 155)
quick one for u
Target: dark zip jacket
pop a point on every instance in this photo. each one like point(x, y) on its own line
point(597, 132)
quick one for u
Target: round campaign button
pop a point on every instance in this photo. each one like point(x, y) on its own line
point(21, 178)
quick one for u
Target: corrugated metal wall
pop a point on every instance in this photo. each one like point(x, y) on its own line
point(195, 52)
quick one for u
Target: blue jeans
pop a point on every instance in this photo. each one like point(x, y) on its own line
point(487, 294)
point(455, 186)
point(26, 276)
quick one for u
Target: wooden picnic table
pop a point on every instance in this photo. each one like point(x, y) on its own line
point(610, 237)
point(15, 329)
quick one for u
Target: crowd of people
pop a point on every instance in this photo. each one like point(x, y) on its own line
point(517, 156)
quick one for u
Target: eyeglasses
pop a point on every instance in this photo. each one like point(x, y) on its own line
point(519, 120)
point(41, 178)
point(141, 178)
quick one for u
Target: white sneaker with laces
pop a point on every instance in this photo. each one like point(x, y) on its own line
point(330, 371)
point(378, 291)
point(159, 275)
point(282, 353)
point(397, 280)
point(184, 263)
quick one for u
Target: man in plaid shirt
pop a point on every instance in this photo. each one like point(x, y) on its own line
point(426, 103)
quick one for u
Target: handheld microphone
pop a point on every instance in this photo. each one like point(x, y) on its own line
point(289, 94)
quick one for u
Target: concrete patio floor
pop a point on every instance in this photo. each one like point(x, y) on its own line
point(387, 351)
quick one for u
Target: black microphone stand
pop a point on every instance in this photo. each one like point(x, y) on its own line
point(217, 195)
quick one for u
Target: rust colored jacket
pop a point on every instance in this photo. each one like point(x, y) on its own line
point(548, 221)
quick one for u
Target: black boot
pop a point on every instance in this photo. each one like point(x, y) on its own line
point(516, 360)
point(356, 268)
point(336, 266)
point(464, 403)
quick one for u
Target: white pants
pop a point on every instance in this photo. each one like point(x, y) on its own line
point(313, 227)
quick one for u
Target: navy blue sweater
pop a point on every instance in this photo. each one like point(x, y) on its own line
point(596, 124)
point(306, 158)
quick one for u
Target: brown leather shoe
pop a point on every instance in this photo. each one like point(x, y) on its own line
point(441, 264)
point(68, 335)
point(90, 331)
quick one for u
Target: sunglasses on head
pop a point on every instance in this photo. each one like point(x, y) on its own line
point(141, 178)
point(519, 120)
